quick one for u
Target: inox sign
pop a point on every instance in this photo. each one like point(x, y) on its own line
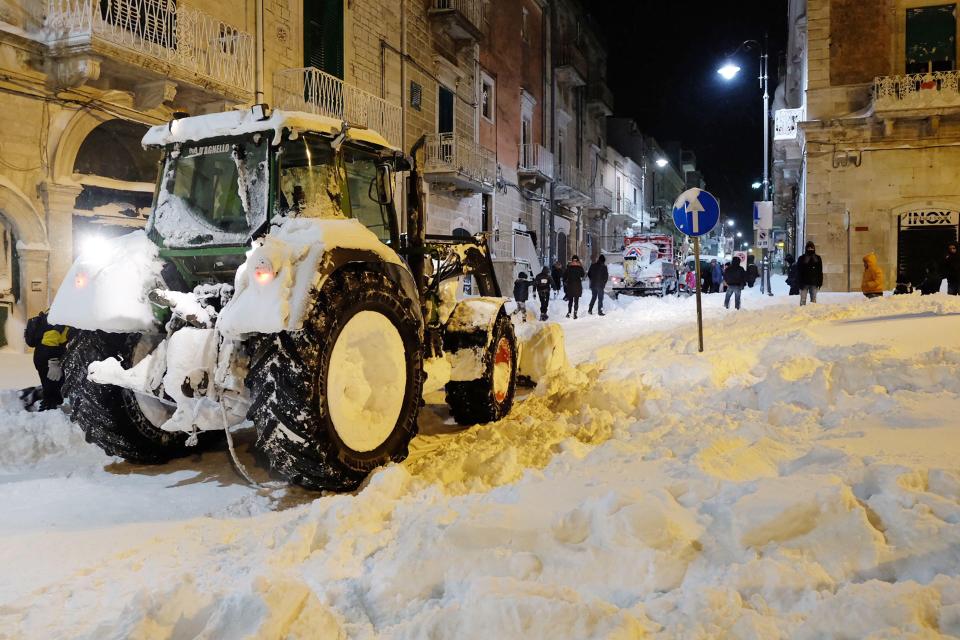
point(929, 218)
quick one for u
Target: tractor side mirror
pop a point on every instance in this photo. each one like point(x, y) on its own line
point(384, 183)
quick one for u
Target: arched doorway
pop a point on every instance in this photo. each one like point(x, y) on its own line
point(117, 175)
point(460, 232)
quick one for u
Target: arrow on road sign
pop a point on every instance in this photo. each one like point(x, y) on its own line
point(694, 208)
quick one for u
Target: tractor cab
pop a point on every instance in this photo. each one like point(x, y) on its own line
point(225, 177)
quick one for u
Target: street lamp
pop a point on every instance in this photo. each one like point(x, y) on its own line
point(731, 222)
point(662, 162)
point(739, 234)
point(756, 185)
point(728, 71)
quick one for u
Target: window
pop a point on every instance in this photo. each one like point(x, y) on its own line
point(931, 43)
point(362, 190)
point(488, 97)
point(444, 110)
point(309, 184)
point(416, 95)
point(526, 152)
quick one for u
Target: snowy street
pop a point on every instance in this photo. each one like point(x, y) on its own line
point(798, 479)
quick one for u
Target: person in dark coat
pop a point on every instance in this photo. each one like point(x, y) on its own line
point(49, 343)
point(735, 276)
point(521, 293)
point(573, 285)
point(809, 274)
point(556, 273)
point(752, 271)
point(542, 285)
point(716, 276)
point(597, 275)
point(951, 269)
point(706, 275)
point(793, 276)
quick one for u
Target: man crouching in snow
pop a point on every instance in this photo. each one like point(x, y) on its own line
point(49, 344)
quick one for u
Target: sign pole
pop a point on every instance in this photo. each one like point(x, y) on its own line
point(696, 262)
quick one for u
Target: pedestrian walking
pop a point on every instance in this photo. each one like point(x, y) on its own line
point(573, 285)
point(752, 271)
point(521, 293)
point(809, 274)
point(793, 276)
point(716, 276)
point(597, 275)
point(556, 274)
point(872, 283)
point(951, 269)
point(735, 276)
point(542, 285)
point(49, 344)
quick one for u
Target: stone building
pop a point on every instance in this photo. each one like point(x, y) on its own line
point(81, 80)
point(879, 134)
point(507, 98)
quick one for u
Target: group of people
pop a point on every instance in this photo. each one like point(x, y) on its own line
point(568, 279)
point(714, 279)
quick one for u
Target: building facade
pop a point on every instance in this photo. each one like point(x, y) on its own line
point(878, 136)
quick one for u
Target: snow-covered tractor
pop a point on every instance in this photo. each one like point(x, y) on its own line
point(275, 283)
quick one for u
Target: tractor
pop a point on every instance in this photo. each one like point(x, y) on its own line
point(275, 284)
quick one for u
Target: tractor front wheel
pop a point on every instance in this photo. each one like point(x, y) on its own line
point(340, 397)
point(489, 397)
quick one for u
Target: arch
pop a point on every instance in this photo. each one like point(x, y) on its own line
point(127, 160)
point(68, 144)
point(27, 223)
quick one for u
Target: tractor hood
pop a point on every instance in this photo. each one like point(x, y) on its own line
point(106, 288)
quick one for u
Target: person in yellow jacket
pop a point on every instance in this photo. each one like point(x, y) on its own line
point(49, 344)
point(872, 284)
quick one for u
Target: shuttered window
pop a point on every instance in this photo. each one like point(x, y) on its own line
point(931, 38)
point(323, 35)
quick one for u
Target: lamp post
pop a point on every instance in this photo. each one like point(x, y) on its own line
point(728, 72)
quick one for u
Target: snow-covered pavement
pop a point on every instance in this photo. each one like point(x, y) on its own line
point(798, 479)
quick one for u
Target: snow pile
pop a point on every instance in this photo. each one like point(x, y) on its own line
point(797, 480)
point(107, 289)
point(273, 285)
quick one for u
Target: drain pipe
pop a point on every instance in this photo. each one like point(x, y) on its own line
point(258, 60)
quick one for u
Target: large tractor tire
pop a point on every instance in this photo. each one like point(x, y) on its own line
point(489, 397)
point(120, 422)
point(340, 397)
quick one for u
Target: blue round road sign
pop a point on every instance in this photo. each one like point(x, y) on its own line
point(696, 212)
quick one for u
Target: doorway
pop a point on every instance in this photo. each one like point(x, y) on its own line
point(922, 238)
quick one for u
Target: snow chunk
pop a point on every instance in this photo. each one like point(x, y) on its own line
point(107, 290)
point(292, 253)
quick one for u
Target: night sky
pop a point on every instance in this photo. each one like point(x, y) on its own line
point(662, 70)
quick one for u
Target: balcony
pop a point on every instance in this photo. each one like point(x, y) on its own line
point(919, 94)
point(462, 20)
point(460, 164)
point(573, 187)
point(535, 165)
point(600, 98)
point(314, 91)
point(123, 39)
point(571, 66)
point(624, 211)
point(602, 200)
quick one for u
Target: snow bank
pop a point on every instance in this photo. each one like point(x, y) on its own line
point(287, 259)
point(106, 289)
point(797, 480)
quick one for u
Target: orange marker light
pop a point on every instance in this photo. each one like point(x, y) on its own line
point(80, 281)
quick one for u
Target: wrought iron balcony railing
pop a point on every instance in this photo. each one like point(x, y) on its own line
point(178, 36)
point(465, 162)
point(536, 159)
point(602, 199)
point(574, 184)
point(932, 90)
point(314, 91)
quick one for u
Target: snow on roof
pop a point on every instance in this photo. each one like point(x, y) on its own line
point(238, 123)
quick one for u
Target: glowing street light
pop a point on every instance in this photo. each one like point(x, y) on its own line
point(757, 185)
point(728, 71)
point(662, 162)
point(731, 222)
point(739, 234)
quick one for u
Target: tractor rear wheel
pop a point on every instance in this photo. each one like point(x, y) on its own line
point(120, 421)
point(489, 397)
point(340, 397)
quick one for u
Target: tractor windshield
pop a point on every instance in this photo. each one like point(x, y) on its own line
point(212, 194)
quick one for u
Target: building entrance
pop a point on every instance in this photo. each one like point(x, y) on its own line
point(922, 238)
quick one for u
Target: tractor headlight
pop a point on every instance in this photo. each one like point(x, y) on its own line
point(263, 271)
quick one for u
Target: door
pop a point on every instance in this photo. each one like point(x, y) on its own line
point(323, 36)
point(922, 238)
point(562, 248)
point(444, 110)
